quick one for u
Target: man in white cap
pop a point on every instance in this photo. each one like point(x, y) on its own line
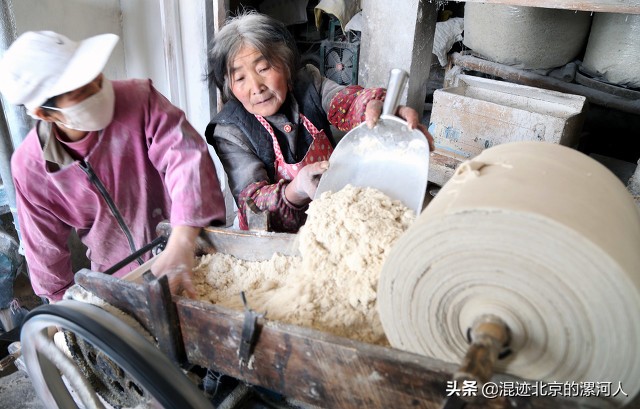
point(110, 159)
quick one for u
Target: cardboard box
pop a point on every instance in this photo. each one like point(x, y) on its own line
point(479, 113)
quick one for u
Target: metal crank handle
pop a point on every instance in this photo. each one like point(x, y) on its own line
point(489, 337)
point(397, 81)
point(9, 359)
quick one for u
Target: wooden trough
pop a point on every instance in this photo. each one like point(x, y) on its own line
point(304, 364)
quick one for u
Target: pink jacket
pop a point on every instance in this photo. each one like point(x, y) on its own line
point(153, 165)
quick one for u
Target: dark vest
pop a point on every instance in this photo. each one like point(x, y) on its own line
point(309, 104)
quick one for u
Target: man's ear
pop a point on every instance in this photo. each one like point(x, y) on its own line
point(43, 114)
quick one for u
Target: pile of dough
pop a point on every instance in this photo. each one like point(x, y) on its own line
point(332, 285)
point(539, 235)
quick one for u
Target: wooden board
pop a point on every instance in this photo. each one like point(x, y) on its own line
point(608, 6)
point(127, 296)
point(442, 168)
point(479, 113)
point(322, 369)
point(309, 365)
point(518, 76)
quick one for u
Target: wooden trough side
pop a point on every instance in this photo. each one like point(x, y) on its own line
point(301, 363)
point(310, 365)
point(127, 296)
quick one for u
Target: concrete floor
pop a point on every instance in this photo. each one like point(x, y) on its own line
point(16, 390)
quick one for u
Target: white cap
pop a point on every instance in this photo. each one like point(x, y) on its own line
point(42, 64)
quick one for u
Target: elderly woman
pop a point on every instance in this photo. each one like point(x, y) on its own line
point(273, 135)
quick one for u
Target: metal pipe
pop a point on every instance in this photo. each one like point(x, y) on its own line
point(14, 124)
point(6, 150)
point(18, 121)
point(138, 253)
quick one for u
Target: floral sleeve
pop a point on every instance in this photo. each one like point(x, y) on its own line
point(283, 216)
point(348, 106)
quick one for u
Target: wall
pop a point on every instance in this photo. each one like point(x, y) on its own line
point(193, 23)
point(142, 39)
point(141, 50)
point(388, 42)
point(177, 69)
point(76, 19)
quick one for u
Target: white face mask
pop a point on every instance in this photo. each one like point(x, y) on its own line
point(92, 114)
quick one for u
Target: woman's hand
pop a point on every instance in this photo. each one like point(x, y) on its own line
point(177, 260)
point(302, 188)
point(374, 110)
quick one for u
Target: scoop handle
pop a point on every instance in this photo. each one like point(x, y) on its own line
point(397, 80)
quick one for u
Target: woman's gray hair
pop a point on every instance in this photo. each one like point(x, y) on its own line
point(266, 34)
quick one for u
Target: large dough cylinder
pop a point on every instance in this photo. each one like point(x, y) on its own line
point(526, 37)
point(539, 235)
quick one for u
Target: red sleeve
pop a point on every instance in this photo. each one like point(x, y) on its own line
point(347, 107)
point(283, 216)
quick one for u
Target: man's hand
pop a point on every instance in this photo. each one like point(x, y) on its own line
point(177, 260)
point(374, 110)
point(302, 188)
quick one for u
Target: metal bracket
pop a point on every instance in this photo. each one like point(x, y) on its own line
point(147, 247)
point(164, 317)
point(489, 337)
point(250, 332)
point(11, 358)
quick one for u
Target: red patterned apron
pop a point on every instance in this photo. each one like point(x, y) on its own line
point(319, 150)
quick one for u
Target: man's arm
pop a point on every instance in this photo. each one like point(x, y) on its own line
point(180, 154)
point(177, 259)
point(44, 238)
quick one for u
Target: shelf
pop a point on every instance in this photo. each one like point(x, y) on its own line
point(602, 6)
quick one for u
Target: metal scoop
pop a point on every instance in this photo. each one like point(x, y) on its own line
point(390, 157)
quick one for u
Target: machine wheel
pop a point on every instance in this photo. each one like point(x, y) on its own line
point(107, 379)
point(135, 359)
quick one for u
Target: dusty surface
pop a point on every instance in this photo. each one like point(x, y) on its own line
point(16, 392)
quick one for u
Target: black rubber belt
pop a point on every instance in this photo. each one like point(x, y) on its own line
point(128, 349)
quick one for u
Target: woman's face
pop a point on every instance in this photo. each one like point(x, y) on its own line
point(259, 86)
